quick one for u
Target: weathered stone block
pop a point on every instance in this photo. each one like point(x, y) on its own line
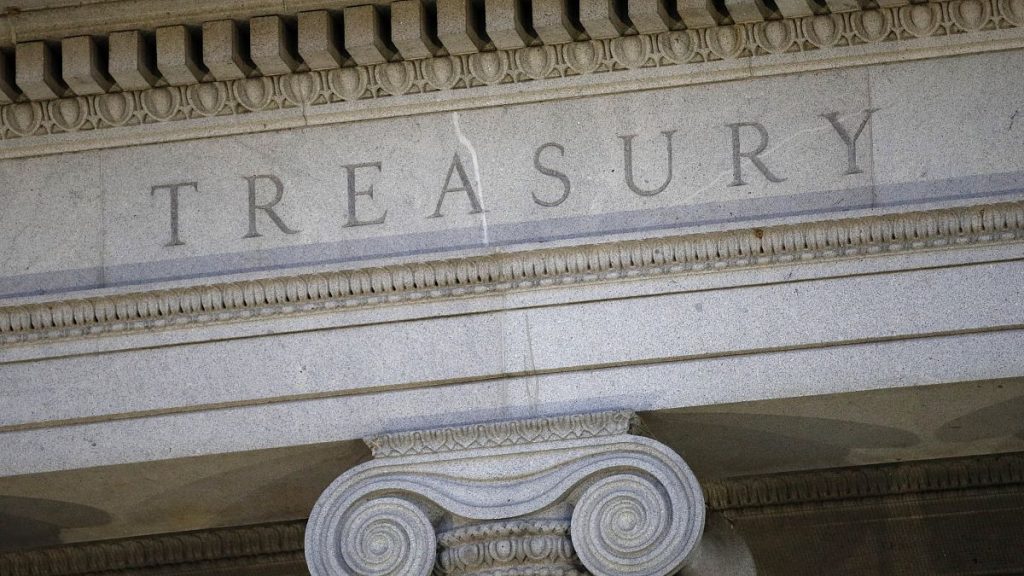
point(36, 71)
point(318, 41)
point(130, 61)
point(176, 56)
point(601, 18)
point(222, 51)
point(843, 5)
point(505, 26)
point(458, 26)
point(409, 30)
point(698, 13)
point(8, 91)
point(649, 16)
point(551, 22)
point(271, 46)
point(364, 38)
point(743, 11)
point(84, 70)
point(796, 8)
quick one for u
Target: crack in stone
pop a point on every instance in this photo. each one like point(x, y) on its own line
point(466, 143)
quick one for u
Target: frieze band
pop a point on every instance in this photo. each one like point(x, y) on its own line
point(747, 165)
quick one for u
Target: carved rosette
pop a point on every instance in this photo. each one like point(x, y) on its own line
point(545, 497)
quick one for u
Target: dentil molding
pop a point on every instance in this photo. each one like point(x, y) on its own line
point(275, 89)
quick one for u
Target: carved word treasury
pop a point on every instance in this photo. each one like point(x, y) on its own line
point(453, 188)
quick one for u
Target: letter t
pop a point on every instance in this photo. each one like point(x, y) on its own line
point(173, 191)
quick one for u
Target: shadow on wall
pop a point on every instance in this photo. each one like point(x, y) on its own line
point(722, 444)
point(162, 496)
point(267, 490)
point(999, 420)
point(31, 522)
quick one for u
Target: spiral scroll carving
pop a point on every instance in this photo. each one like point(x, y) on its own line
point(386, 537)
point(626, 524)
point(554, 496)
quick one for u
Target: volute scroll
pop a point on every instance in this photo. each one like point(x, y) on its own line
point(381, 536)
point(626, 524)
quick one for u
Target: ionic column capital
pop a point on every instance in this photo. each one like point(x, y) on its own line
point(564, 495)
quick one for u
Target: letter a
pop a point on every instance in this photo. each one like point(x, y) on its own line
point(466, 187)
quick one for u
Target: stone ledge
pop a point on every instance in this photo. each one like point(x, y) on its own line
point(304, 294)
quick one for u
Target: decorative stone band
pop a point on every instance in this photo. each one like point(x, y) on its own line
point(225, 91)
point(256, 547)
point(631, 505)
point(820, 487)
point(496, 434)
point(512, 547)
point(293, 295)
point(196, 552)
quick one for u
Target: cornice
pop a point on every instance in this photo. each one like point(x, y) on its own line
point(502, 272)
point(260, 546)
point(485, 75)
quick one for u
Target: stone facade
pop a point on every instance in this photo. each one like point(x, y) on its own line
point(483, 287)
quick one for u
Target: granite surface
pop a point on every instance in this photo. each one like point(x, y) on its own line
point(906, 301)
point(475, 181)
